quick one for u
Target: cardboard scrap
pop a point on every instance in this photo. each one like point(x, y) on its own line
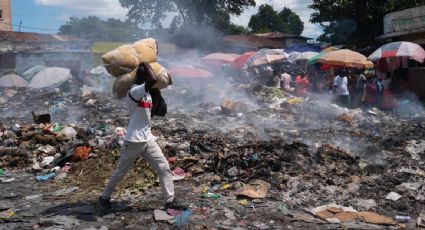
point(161, 215)
point(335, 214)
point(374, 218)
point(256, 189)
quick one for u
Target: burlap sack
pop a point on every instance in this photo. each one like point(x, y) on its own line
point(123, 83)
point(163, 79)
point(121, 60)
point(147, 50)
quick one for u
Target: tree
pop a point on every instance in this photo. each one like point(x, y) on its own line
point(290, 18)
point(93, 28)
point(355, 22)
point(198, 12)
point(268, 20)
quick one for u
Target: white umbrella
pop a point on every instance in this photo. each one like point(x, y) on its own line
point(293, 57)
point(12, 81)
point(31, 72)
point(100, 70)
point(50, 78)
point(306, 56)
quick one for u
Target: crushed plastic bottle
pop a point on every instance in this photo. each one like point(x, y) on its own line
point(211, 195)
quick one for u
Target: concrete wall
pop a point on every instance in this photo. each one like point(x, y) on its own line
point(6, 19)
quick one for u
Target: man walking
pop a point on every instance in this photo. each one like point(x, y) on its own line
point(139, 141)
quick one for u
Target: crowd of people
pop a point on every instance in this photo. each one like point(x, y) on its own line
point(351, 87)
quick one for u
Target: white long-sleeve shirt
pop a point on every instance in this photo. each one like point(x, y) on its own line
point(139, 106)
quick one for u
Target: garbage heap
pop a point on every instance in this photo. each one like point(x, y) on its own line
point(272, 161)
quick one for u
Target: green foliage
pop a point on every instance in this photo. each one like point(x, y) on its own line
point(199, 12)
point(268, 20)
point(93, 28)
point(352, 21)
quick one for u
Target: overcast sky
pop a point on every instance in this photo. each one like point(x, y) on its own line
point(50, 14)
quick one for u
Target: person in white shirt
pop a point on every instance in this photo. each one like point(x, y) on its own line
point(341, 88)
point(139, 141)
point(286, 82)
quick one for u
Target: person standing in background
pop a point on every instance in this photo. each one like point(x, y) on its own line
point(341, 88)
point(359, 88)
point(286, 82)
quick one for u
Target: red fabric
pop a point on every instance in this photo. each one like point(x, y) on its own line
point(391, 53)
point(240, 61)
point(144, 104)
point(389, 101)
point(302, 85)
point(370, 97)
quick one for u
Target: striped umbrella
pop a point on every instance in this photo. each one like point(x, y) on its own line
point(239, 62)
point(399, 49)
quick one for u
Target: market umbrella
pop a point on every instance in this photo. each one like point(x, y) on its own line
point(399, 49)
point(219, 59)
point(313, 60)
point(189, 72)
point(239, 62)
point(50, 78)
point(345, 58)
point(306, 56)
point(293, 57)
point(31, 72)
point(267, 56)
point(12, 81)
point(100, 70)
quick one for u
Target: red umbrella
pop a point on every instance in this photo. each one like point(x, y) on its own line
point(219, 59)
point(189, 72)
point(239, 62)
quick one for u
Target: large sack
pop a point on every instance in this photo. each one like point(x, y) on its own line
point(123, 83)
point(163, 78)
point(147, 50)
point(121, 60)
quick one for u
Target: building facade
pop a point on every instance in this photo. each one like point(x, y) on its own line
point(5, 16)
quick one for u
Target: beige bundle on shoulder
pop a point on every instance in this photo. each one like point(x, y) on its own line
point(123, 83)
point(126, 58)
point(124, 61)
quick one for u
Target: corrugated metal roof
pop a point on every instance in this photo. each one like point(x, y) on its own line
point(252, 41)
point(34, 37)
point(272, 35)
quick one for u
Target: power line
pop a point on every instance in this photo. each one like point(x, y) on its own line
point(28, 27)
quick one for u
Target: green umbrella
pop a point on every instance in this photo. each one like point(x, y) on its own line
point(314, 59)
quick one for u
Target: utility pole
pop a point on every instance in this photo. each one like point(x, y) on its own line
point(20, 23)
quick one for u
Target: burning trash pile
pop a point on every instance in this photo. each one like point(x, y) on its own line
point(265, 167)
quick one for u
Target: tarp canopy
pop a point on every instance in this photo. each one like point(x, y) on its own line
point(50, 78)
point(13, 81)
point(303, 48)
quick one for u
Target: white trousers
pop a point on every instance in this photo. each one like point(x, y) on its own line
point(151, 152)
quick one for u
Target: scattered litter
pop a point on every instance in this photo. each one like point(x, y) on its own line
point(46, 177)
point(161, 215)
point(256, 189)
point(393, 196)
point(7, 214)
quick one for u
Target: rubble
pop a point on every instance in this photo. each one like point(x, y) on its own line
point(237, 169)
